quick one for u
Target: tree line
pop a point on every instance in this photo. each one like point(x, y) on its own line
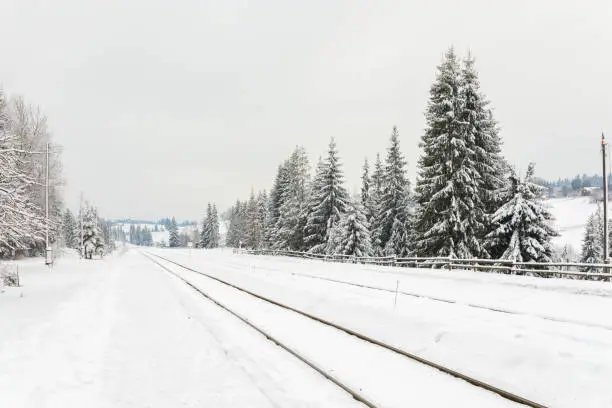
point(467, 201)
point(206, 237)
point(23, 138)
point(89, 233)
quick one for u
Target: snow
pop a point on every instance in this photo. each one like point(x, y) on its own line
point(571, 216)
point(380, 374)
point(122, 333)
point(544, 339)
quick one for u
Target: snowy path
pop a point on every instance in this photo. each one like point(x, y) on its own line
point(121, 333)
point(381, 375)
point(565, 362)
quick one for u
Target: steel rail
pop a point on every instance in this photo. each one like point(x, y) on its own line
point(473, 381)
point(356, 395)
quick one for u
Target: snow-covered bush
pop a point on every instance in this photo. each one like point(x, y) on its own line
point(9, 275)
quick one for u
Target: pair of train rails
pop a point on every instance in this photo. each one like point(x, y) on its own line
point(354, 393)
point(438, 299)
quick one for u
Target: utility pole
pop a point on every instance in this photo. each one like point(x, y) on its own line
point(48, 251)
point(605, 200)
point(81, 222)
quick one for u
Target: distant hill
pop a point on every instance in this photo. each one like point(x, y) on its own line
point(571, 216)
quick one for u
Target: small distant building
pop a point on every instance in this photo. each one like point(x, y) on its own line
point(595, 192)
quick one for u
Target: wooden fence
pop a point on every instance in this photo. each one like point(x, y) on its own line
point(572, 270)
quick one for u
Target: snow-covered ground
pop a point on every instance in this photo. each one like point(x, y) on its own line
point(549, 340)
point(378, 374)
point(121, 332)
point(571, 215)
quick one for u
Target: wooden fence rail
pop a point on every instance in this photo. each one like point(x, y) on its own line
point(543, 269)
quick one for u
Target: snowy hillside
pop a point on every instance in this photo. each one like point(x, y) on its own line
point(571, 216)
point(160, 236)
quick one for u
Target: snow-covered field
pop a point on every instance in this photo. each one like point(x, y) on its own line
point(571, 215)
point(121, 332)
point(545, 339)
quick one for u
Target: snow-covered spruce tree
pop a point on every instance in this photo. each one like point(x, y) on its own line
point(148, 237)
point(214, 234)
point(401, 236)
point(236, 226)
point(523, 224)
point(314, 232)
point(206, 228)
point(375, 198)
point(92, 234)
point(262, 212)
point(329, 202)
point(393, 200)
point(107, 240)
point(365, 189)
point(353, 233)
point(274, 204)
point(69, 226)
point(173, 234)
point(292, 214)
point(481, 129)
point(450, 217)
point(253, 225)
point(592, 245)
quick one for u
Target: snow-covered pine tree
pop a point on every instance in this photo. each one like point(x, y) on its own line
point(92, 234)
point(138, 235)
point(107, 242)
point(482, 128)
point(353, 233)
point(206, 228)
point(393, 199)
point(234, 232)
point(173, 234)
point(375, 196)
point(314, 232)
point(253, 225)
point(329, 202)
point(450, 217)
point(214, 234)
point(262, 212)
point(291, 220)
point(592, 245)
point(401, 238)
point(68, 228)
point(523, 224)
point(274, 204)
point(148, 237)
point(365, 189)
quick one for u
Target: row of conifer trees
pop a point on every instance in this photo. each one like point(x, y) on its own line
point(467, 201)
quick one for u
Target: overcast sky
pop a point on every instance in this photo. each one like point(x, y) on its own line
point(162, 106)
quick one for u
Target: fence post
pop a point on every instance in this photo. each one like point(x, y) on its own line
point(395, 301)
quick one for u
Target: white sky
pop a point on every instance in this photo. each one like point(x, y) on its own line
point(162, 106)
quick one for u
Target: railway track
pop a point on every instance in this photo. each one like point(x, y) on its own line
point(436, 299)
point(357, 395)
